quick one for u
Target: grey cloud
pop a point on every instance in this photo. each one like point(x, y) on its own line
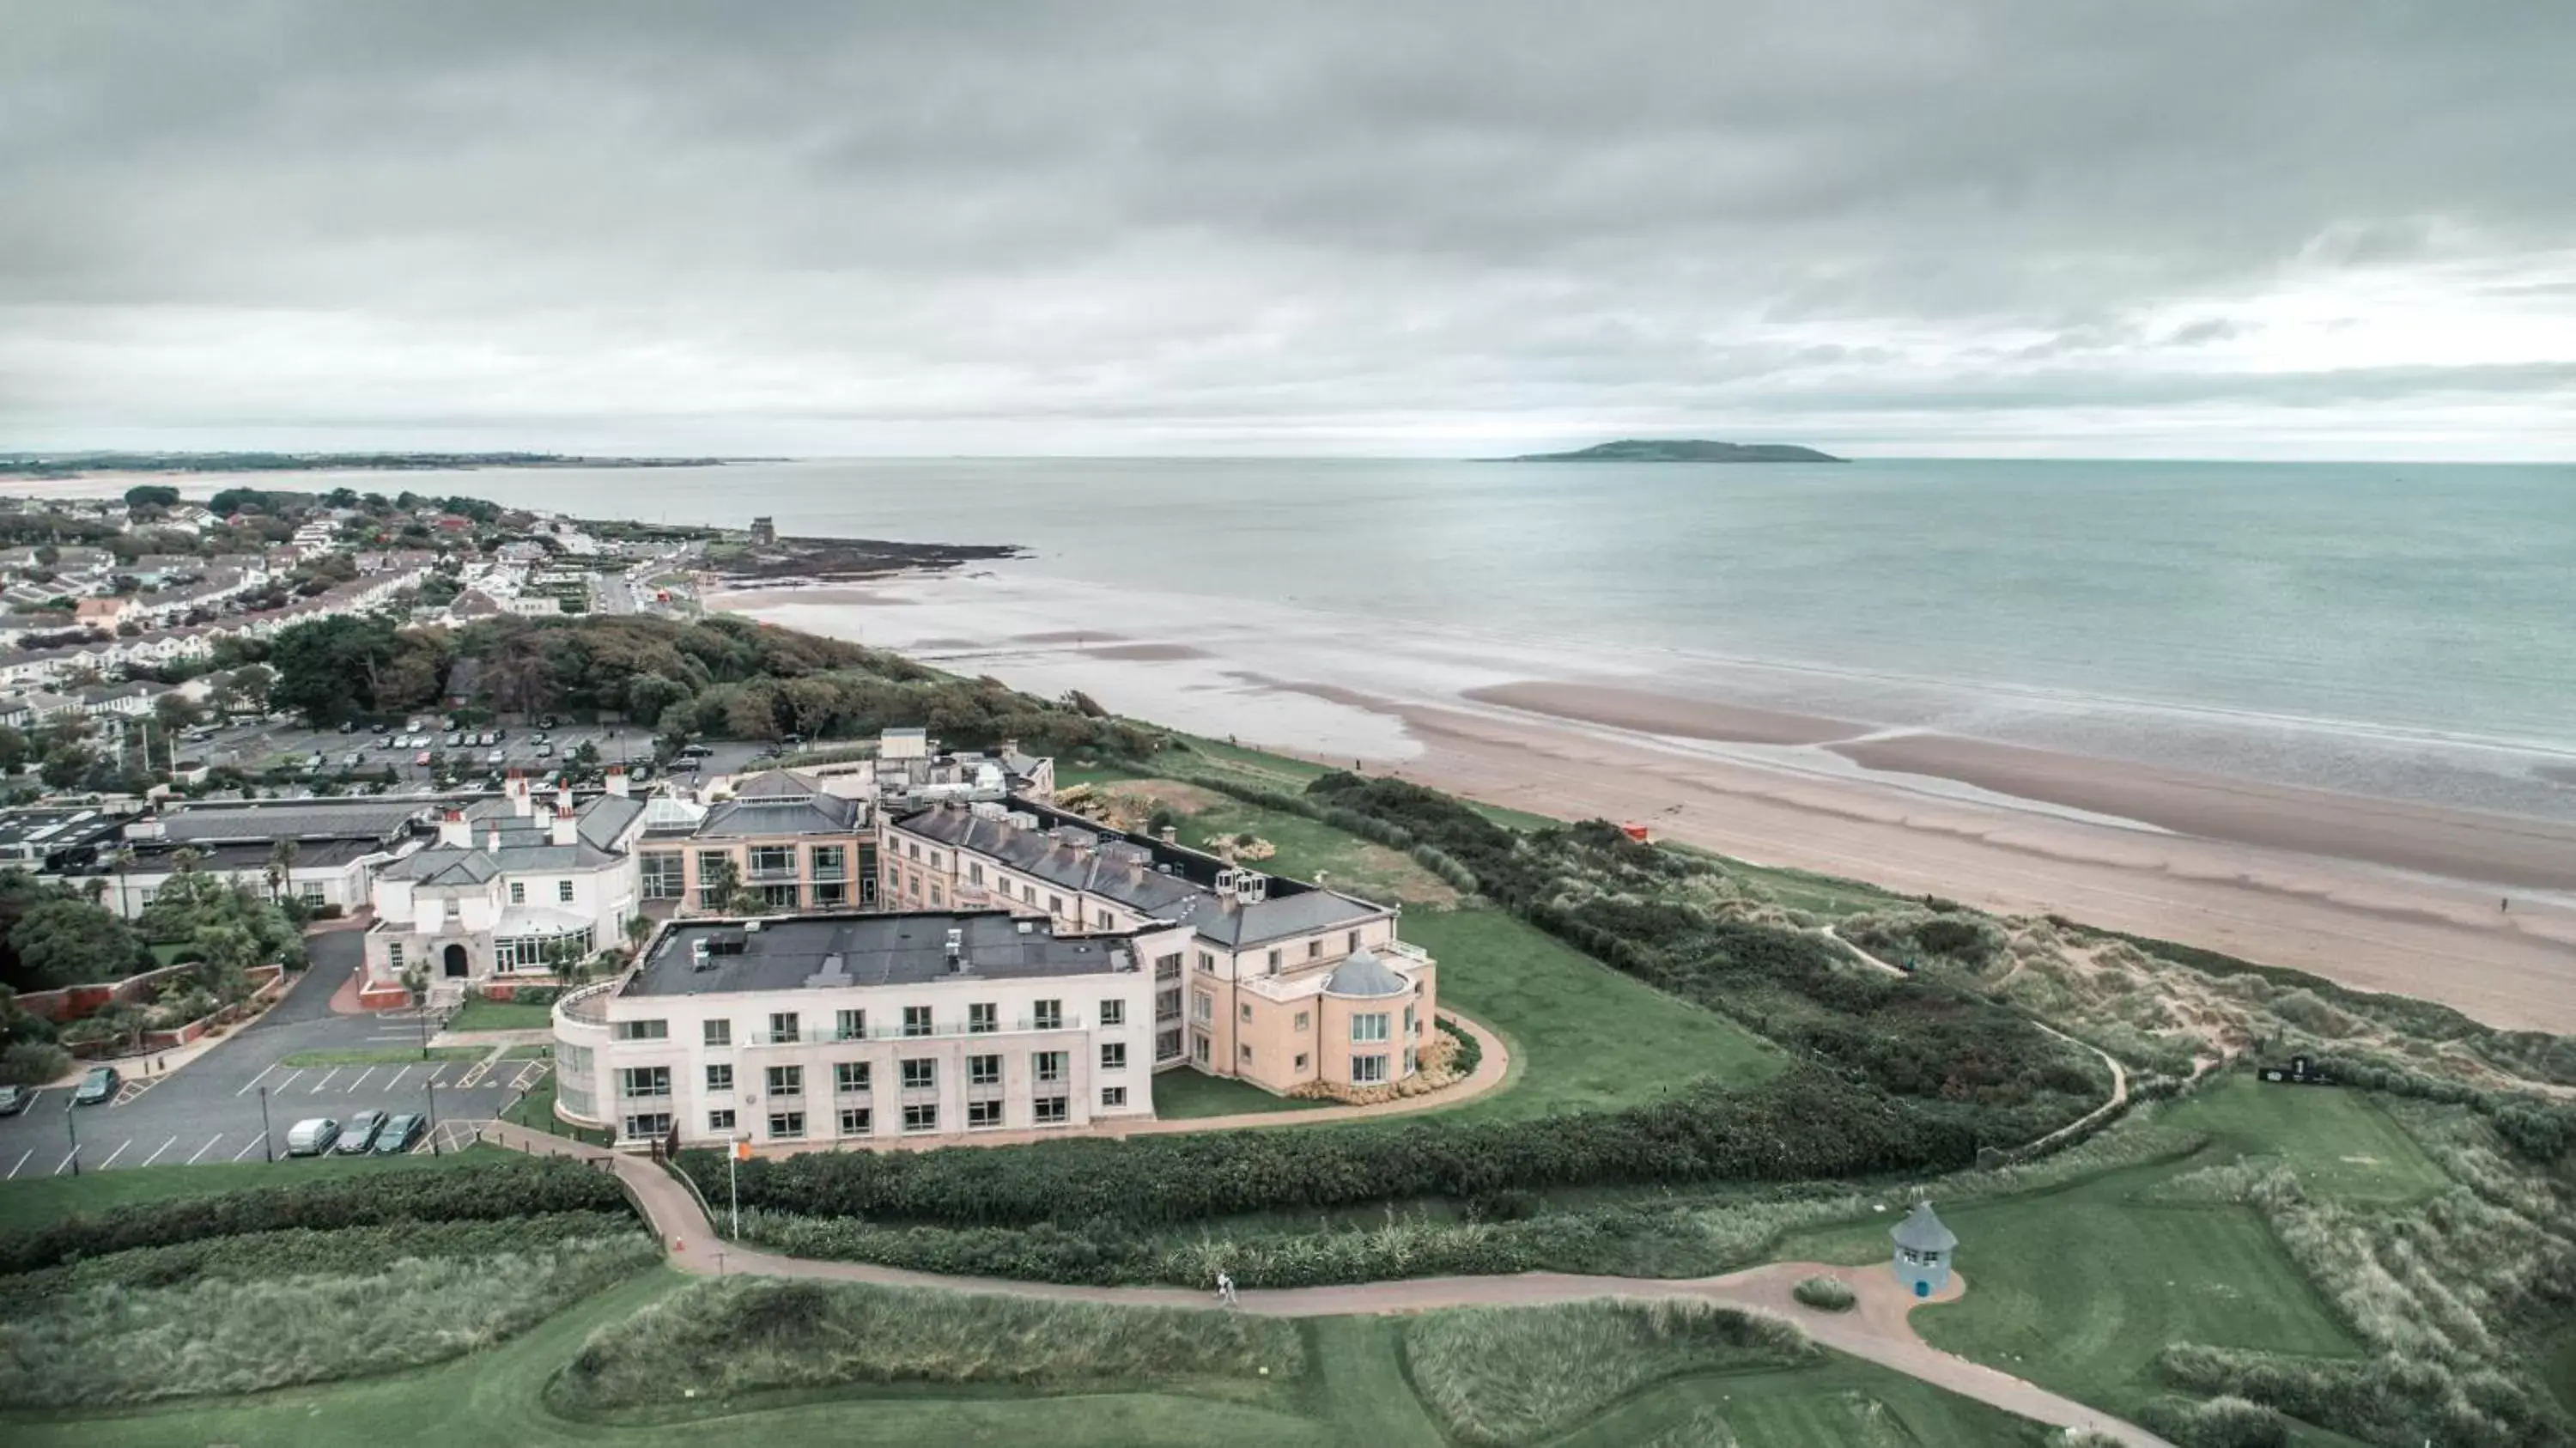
point(421, 216)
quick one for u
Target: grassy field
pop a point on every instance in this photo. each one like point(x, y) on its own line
point(1185, 1094)
point(1354, 1391)
point(1581, 1034)
point(32, 1203)
point(2341, 1145)
point(478, 1014)
point(535, 1110)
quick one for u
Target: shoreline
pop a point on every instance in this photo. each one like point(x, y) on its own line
point(2375, 894)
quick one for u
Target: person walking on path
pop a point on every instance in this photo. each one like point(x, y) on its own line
point(1225, 1290)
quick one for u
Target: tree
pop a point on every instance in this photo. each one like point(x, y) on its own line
point(253, 683)
point(329, 668)
point(281, 867)
point(151, 495)
point(71, 942)
point(176, 712)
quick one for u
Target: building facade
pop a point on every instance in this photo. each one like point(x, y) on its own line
point(781, 838)
point(854, 1029)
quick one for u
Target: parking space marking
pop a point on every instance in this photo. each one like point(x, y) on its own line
point(399, 1072)
point(353, 1086)
point(22, 1162)
point(201, 1151)
point(247, 1145)
point(126, 1093)
point(529, 1075)
point(289, 1079)
point(255, 1080)
point(67, 1160)
point(113, 1155)
point(325, 1081)
point(156, 1154)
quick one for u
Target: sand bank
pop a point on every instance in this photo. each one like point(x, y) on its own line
point(1650, 713)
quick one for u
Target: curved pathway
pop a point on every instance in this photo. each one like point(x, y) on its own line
point(1876, 1330)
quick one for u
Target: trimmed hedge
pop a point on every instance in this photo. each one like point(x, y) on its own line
point(463, 1193)
point(1806, 1123)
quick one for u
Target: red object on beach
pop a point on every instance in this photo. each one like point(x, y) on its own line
point(1634, 831)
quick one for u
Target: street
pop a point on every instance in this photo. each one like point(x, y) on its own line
point(212, 1110)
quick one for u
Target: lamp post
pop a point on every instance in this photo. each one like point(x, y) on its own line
point(740, 1149)
point(267, 1143)
point(433, 1118)
point(71, 1124)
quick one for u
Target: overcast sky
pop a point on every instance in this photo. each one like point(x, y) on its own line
point(2273, 229)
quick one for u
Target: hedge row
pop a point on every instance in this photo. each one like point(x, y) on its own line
point(479, 1192)
point(1806, 1123)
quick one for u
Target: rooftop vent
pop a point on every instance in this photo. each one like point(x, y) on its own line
point(1020, 819)
point(956, 951)
point(987, 810)
point(721, 942)
point(1024, 927)
point(1225, 879)
point(1251, 887)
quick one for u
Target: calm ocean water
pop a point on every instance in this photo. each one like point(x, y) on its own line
point(2331, 614)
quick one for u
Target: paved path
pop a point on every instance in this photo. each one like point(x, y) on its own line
point(1877, 1330)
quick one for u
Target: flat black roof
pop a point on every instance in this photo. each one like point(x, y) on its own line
point(830, 951)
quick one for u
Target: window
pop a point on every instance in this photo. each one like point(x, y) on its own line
point(719, 1033)
point(641, 1030)
point(857, 1121)
point(783, 1026)
point(1367, 1070)
point(1029, 893)
point(921, 1116)
point(1244, 1011)
point(1350, 942)
point(916, 1020)
point(1369, 1027)
point(1408, 1060)
point(530, 952)
point(1301, 1060)
point(983, 1070)
point(644, 1081)
point(786, 1125)
point(786, 1080)
point(920, 1073)
point(1410, 1029)
point(518, 892)
point(563, 891)
point(393, 950)
point(1048, 1015)
point(912, 848)
point(1314, 950)
point(828, 862)
point(983, 1017)
point(1274, 962)
point(849, 1025)
point(1108, 921)
point(720, 1121)
point(720, 1078)
point(935, 861)
point(1055, 904)
point(828, 893)
point(1207, 962)
point(1113, 1013)
point(1198, 1048)
point(1113, 1097)
point(1202, 1007)
point(850, 1078)
point(934, 893)
point(1303, 1020)
point(1243, 1054)
point(768, 862)
point(664, 875)
point(983, 1113)
point(1049, 1065)
point(1113, 1055)
point(713, 865)
point(974, 874)
point(1051, 1110)
point(656, 1124)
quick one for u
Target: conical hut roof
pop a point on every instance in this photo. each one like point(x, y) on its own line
point(1922, 1232)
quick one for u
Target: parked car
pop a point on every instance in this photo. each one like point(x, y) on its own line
point(487, 739)
point(695, 751)
point(360, 1133)
point(13, 1099)
point(352, 760)
point(548, 722)
point(422, 758)
point(312, 1136)
point(99, 1085)
point(414, 724)
point(400, 1135)
point(455, 738)
point(497, 756)
point(376, 729)
point(348, 726)
point(545, 751)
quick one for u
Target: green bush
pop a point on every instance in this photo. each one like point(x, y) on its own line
point(481, 1192)
point(1825, 1294)
point(33, 1063)
point(719, 1339)
point(2218, 1423)
point(1519, 1375)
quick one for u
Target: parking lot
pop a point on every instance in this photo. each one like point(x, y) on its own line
point(256, 747)
point(237, 1102)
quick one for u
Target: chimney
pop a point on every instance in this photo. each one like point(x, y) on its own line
point(453, 831)
point(516, 787)
point(492, 839)
point(545, 817)
point(563, 799)
point(1169, 834)
point(617, 780)
point(565, 829)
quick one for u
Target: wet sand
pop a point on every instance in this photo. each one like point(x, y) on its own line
point(752, 600)
point(1649, 713)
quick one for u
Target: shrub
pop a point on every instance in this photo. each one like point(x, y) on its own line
point(719, 1339)
point(33, 1063)
point(479, 1192)
point(1519, 1375)
point(1825, 1294)
point(2218, 1423)
point(1471, 1051)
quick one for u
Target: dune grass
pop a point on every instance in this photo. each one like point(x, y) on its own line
point(719, 1340)
point(1501, 1376)
point(111, 1344)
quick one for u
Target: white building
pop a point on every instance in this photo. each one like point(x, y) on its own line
point(848, 1029)
point(508, 884)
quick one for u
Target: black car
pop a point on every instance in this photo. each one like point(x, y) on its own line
point(360, 1133)
point(400, 1135)
point(99, 1085)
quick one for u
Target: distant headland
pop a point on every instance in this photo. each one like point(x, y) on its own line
point(78, 464)
point(1683, 450)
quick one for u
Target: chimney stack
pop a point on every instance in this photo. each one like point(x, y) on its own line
point(565, 830)
point(516, 787)
point(453, 832)
point(617, 780)
point(492, 840)
point(563, 798)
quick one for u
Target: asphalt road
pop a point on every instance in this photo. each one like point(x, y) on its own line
point(210, 1110)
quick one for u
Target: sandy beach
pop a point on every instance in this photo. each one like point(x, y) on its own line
point(2380, 894)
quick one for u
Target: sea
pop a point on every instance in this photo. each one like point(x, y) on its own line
point(2399, 629)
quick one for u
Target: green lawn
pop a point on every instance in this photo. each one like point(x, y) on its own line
point(1581, 1034)
point(33, 1202)
point(1182, 1094)
point(1361, 1396)
point(478, 1014)
point(383, 1056)
point(1305, 848)
point(2339, 1142)
point(535, 1110)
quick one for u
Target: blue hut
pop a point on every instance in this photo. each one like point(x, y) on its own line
point(1923, 1248)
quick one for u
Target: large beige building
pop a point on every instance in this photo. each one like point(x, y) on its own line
point(1275, 981)
point(862, 1028)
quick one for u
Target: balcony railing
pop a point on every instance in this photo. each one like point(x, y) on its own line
point(770, 874)
point(821, 1036)
point(589, 1004)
